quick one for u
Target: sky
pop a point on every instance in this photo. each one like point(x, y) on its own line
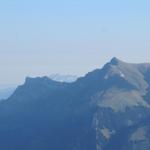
point(42, 37)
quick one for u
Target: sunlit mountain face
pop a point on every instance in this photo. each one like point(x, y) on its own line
point(107, 109)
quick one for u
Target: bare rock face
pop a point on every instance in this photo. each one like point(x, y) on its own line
point(108, 109)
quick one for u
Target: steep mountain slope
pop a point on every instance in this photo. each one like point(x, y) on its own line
point(108, 109)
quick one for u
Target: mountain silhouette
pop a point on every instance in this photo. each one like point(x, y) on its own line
point(107, 109)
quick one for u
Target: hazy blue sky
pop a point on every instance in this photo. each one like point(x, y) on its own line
point(40, 37)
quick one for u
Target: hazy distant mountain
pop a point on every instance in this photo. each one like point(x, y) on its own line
point(6, 92)
point(63, 78)
point(108, 109)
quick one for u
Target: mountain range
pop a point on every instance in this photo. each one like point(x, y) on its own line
point(7, 91)
point(107, 109)
point(63, 78)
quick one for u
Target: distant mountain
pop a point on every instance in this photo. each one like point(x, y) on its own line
point(108, 109)
point(63, 78)
point(6, 92)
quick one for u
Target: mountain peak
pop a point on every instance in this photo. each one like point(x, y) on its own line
point(115, 61)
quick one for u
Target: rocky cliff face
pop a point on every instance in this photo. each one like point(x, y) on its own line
point(108, 109)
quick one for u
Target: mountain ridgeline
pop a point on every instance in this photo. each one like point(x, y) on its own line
point(107, 109)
